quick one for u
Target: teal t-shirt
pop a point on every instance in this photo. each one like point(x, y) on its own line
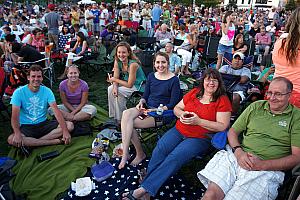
point(269, 78)
point(268, 135)
point(33, 105)
point(140, 75)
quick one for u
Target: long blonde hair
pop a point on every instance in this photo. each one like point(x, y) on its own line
point(290, 45)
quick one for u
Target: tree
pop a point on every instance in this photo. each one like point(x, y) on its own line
point(291, 5)
point(208, 3)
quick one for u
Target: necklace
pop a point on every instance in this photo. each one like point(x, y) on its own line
point(205, 99)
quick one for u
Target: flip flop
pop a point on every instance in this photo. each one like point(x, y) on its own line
point(26, 151)
point(129, 195)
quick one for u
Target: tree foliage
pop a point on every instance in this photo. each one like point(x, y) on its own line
point(291, 5)
point(206, 3)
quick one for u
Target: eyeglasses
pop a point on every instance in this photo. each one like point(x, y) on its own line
point(214, 81)
point(276, 94)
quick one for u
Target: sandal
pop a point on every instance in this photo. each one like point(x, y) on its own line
point(129, 195)
point(26, 152)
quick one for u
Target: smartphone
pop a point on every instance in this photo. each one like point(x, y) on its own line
point(142, 116)
point(188, 115)
point(145, 106)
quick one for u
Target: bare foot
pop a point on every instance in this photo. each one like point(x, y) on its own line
point(138, 159)
point(123, 161)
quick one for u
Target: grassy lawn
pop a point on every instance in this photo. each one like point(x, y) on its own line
point(98, 95)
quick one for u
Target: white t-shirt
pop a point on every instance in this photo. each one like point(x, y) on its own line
point(136, 16)
point(103, 17)
point(227, 40)
point(88, 14)
point(36, 9)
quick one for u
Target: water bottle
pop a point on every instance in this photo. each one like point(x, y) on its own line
point(160, 109)
point(89, 52)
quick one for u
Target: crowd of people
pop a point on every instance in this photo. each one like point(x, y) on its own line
point(251, 167)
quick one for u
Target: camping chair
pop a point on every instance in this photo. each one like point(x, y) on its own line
point(135, 97)
point(229, 84)
point(146, 43)
point(251, 47)
point(48, 69)
point(99, 62)
point(146, 58)
point(295, 192)
point(290, 188)
point(210, 49)
point(177, 42)
point(248, 61)
point(150, 136)
point(3, 84)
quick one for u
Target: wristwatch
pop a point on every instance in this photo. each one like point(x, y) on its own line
point(235, 148)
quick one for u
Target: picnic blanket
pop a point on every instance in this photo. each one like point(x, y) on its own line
point(128, 178)
point(49, 178)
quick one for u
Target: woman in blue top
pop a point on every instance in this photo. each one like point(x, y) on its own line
point(162, 87)
point(127, 78)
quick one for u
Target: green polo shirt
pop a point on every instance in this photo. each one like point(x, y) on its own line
point(268, 135)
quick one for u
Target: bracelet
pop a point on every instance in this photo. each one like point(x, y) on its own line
point(235, 148)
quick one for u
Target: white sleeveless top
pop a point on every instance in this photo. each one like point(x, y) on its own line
point(227, 40)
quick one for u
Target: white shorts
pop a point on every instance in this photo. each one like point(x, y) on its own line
point(89, 109)
point(241, 94)
point(238, 183)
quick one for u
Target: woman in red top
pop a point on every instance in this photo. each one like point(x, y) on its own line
point(202, 111)
point(37, 40)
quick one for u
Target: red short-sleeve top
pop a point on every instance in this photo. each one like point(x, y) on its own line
point(204, 111)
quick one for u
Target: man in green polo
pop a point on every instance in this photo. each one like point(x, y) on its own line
point(253, 169)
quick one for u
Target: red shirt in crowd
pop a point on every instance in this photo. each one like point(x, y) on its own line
point(204, 111)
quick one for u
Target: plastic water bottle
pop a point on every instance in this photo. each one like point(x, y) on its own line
point(89, 51)
point(160, 109)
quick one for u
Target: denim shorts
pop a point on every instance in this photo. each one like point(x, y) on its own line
point(223, 48)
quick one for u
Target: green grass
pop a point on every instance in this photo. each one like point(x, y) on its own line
point(97, 94)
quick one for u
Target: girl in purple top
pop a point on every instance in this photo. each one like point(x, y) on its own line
point(74, 96)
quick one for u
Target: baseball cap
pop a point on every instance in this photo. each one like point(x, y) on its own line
point(51, 6)
point(241, 55)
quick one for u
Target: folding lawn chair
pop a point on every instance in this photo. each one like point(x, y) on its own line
point(48, 69)
point(150, 136)
point(146, 43)
point(210, 49)
point(177, 42)
point(99, 62)
point(3, 84)
point(248, 61)
point(146, 58)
